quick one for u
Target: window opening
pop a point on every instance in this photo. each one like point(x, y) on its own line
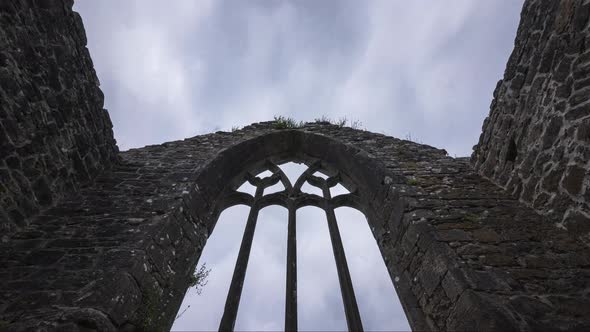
point(377, 299)
point(309, 189)
point(247, 188)
point(265, 311)
point(264, 174)
point(273, 186)
point(219, 255)
point(293, 170)
point(321, 175)
point(338, 190)
point(319, 301)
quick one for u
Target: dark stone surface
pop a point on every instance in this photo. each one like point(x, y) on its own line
point(540, 114)
point(458, 248)
point(54, 133)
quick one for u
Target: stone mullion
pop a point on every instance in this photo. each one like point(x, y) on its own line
point(305, 176)
point(353, 317)
point(232, 302)
point(284, 179)
point(291, 289)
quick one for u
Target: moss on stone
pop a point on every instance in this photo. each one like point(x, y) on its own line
point(148, 312)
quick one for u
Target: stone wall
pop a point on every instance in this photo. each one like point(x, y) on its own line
point(55, 135)
point(536, 140)
point(462, 254)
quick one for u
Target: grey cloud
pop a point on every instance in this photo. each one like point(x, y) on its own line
point(256, 52)
point(177, 69)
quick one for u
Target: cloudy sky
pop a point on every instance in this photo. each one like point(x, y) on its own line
point(175, 69)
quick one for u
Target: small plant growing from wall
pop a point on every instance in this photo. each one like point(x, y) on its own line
point(282, 122)
point(323, 118)
point(342, 122)
point(411, 138)
point(199, 278)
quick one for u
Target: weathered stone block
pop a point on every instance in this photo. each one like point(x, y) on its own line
point(543, 119)
point(573, 179)
point(44, 96)
point(477, 312)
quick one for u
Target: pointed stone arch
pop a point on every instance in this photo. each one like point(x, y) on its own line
point(416, 259)
point(357, 170)
point(462, 254)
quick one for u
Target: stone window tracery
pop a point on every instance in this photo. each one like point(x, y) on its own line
point(267, 184)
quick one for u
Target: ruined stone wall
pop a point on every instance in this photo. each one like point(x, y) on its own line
point(462, 254)
point(536, 140)
point(54, 133)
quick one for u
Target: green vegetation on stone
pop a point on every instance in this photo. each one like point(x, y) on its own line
point(323, 118)
point(148, 312)
point(342, 122)
point(282, 122)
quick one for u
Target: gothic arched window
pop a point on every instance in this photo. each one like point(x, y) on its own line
point(309, 249)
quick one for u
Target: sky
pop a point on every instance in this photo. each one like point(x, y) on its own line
point(175, 69)
point(420, 69)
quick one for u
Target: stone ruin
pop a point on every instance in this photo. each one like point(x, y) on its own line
point(97, 239)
